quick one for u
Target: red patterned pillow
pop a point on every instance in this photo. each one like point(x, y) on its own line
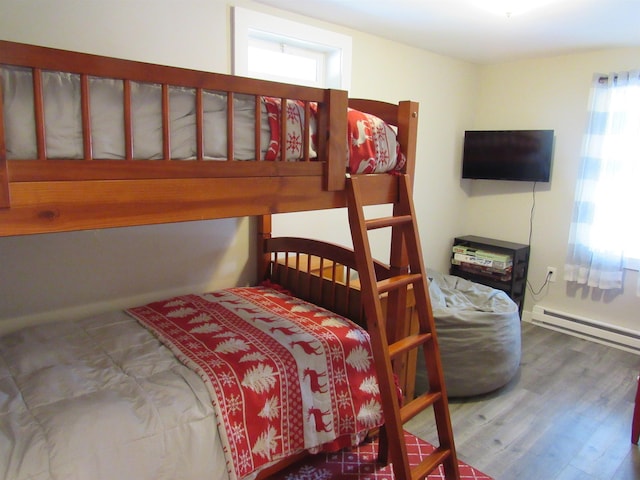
point(373, 147)
point(295, 130)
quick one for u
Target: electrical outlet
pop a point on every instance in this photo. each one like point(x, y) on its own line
point(551, 274)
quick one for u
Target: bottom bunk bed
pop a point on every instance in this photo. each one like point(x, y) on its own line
point(218, 385)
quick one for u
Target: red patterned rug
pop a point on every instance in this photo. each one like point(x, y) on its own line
point(361, 464)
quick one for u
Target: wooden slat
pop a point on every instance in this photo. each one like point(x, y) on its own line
point(166, 123)
point(86, 117)
point(258, 127)
point(400, 281)
point(429, 464)
point(128, 121)
point(230, 126)
point(308, 269)
point(283, 129)
point(38, 106)
point(419, 404)
point(265, 227)
point(351, 288)
point(306, 137)
point(407, 343)
point(387, 221)
point(199, 125)
point(34, 170)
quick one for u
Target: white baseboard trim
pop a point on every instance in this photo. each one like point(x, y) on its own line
point(586, 328)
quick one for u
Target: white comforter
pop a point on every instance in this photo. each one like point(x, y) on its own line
point(102, 399)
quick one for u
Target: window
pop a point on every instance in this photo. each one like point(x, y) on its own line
point(273, 48)
point(272, 60)
point(605, 232)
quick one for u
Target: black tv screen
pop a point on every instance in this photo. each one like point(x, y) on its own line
point(523, 155)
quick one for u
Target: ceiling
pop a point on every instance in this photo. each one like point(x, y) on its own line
point(466, 30)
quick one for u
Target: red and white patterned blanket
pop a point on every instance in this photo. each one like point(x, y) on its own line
point(284, 375)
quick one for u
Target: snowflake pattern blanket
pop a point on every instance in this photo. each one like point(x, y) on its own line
point(284, 375)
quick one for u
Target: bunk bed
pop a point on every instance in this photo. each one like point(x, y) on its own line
point(74, 156)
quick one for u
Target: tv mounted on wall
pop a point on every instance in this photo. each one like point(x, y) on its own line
point(523, 155)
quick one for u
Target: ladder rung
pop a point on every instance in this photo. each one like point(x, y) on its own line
point(419, 404)
point(408, 343)
point(429, 463)
point(394, 283)
point(387, 221)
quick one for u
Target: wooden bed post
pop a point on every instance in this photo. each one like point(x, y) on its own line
point(332, 116)
point(408, 133)
point(263, 257)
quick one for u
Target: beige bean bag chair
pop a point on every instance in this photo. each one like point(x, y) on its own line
point(478, 330)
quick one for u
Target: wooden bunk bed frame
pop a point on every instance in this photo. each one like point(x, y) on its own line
point(52, 195)
point(44, 195)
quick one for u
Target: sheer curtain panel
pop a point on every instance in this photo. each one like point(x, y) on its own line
point(605, 228)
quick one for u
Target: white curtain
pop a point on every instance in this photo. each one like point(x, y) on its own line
point(605, 218)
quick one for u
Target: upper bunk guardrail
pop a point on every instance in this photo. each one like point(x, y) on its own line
point(87, 69)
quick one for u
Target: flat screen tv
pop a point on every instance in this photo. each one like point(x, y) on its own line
point(523, 155)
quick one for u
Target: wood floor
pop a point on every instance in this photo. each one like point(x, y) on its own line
point(566, 415)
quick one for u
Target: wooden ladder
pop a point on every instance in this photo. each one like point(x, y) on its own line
point(405, 249)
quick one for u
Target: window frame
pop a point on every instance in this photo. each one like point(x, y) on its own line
point(335, 47)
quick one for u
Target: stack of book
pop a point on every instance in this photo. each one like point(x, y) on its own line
point(498, 266)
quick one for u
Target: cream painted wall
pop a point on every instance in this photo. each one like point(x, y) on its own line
point(546, 93)
point(68, 275)
point(190, 34)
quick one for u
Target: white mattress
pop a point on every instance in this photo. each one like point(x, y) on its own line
point(102, 399)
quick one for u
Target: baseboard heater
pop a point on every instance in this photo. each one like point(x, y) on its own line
point(586, 328)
